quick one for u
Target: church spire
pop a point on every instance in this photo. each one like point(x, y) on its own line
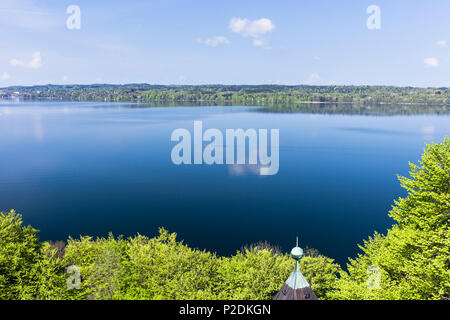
point(296, 287)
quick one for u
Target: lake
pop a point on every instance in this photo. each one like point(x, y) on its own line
point(93, 168)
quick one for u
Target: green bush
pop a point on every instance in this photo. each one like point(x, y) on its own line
point(413, 258)
point(19, 257)
point(143, 268)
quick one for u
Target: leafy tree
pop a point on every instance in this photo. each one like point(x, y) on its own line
point(19, 256)
point(256, 274)
point(321, 273)
point(107, 269)
point(162, 268)
point(51, 277)
point(413, 258)
point(100, 263)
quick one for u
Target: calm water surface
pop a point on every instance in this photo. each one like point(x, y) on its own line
point(91, 168)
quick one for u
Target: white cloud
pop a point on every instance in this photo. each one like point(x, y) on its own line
point(5, 76)
point(238, 25)
point(431, 62)
point(316, 58)
point(313, 78)
point(261, 43)
point(253, 29)
point(442, 43)
point(213, 41)
point(34, 63)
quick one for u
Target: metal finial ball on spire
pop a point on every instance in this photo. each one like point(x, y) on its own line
point(297, 252)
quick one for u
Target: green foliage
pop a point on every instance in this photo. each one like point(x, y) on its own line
point(321, 273)
point(256, 274)
point(162, 268)
point(51, 279)
point(19, 256)
point(144, 268)
point(414, 256)
point(260, 273)
point(101, 266)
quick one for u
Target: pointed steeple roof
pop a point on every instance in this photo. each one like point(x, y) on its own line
point(296, 287)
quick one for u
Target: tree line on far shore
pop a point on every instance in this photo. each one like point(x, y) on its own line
point(282, 97)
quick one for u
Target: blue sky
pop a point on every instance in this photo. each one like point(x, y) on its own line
point(226, 42)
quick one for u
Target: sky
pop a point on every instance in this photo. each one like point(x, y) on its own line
point(326, 42)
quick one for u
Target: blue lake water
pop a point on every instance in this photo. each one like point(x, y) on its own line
point(93, 168)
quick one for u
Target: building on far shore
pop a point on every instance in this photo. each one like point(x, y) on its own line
point(296, 287)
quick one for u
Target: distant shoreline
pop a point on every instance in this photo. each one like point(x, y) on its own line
point(278, 98)
point(220, 103)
